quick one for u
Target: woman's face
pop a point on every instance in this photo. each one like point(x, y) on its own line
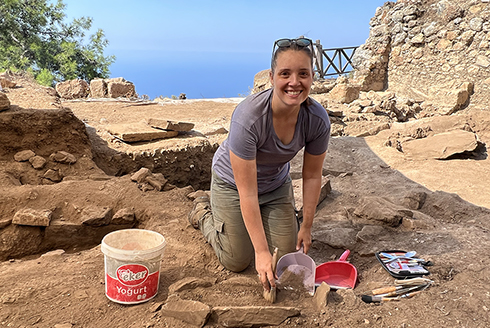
point(292, 78)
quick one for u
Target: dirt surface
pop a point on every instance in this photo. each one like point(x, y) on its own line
point(67, 289)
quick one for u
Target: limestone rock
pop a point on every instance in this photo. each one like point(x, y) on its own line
point(344, 93)
point(5, 222)
point(37, 162)
point(321, 295)
point(6, 82)
point(248, 316)
point(130, 132)
point(190, 283)
point(63, 157)
point(123, 216)
point(157, 181)
point(53, 175)
point(98, 88)
point(141, 175)
point(31, 217)
point(262, 81)
point(24, 156)
point(377, 210)
point(96, 216)
point(4, 102)
point(442, 145)
point(73, 89)
point(170, 125)
point(116, 89)
point(192, 312)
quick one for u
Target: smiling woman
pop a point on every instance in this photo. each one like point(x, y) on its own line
point(251, 211)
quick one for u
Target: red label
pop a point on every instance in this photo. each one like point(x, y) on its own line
point(132, 274)
point(133, 284)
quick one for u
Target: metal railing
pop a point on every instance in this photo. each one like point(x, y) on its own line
point(339, 60)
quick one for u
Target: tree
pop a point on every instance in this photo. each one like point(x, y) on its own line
point(34, 36)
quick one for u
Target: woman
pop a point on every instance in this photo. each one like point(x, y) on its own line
point(251, 211)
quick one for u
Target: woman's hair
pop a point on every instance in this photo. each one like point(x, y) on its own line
point(293, 46)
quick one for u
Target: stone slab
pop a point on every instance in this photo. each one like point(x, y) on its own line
point(170, 125)
point(134, 132)
point(31, 217)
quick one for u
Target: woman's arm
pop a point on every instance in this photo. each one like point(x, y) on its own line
point(312, 183)
point(245, 173)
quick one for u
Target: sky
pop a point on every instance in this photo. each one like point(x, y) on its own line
point(213, 48)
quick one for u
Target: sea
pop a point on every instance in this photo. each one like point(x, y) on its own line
point(198, 75)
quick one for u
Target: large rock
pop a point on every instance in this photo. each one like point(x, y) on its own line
point(31, 217)
point(377, 210)
point(98, 88)
point(73, 89)
point(251, 316)
point(4, 102)
point(120, 88)
point(131, 132)
point(170, 125)
point(193, 312)
point(345, 93)
point(442, 145)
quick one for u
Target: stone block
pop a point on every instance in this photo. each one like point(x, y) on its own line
point(31, 217)
point(192, 312)
point(130, 132)
point(98, 88)
point(170, 125)
point(4, 102)
point(73, 89)
point(96, 216)
point(121, 89)
point(24, 156)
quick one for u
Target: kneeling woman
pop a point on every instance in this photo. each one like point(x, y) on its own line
point(251, 210)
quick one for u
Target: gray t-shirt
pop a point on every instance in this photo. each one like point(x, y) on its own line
point(252, 136)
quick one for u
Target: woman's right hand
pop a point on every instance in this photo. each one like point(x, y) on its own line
point(263, 265)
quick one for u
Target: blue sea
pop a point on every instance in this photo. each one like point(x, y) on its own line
point(198, 75)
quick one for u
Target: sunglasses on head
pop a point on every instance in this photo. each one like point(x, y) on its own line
point(285, 43)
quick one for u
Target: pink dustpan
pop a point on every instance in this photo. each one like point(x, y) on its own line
point(338, 274)
point(300, 264)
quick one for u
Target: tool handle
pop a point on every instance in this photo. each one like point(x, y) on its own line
point(274, 260)
point(344, 256)
point(413, 281)
point(383, 290)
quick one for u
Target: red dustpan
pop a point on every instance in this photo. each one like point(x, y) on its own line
point(338, 274)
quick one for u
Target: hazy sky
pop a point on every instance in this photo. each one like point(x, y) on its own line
point(193, 45)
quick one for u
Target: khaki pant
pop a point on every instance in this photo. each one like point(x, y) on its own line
point(225, 230)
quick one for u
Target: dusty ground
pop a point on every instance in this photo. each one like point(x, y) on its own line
point(68, 289)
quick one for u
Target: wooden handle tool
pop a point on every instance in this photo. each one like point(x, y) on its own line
point(270, 295)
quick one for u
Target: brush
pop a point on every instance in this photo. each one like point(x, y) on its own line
point(270, 295)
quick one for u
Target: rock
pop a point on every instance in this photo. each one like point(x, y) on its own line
point(98, 88)
point(31, 217)
point(6, 83)
point(321, 295)
point(5, 222)
point(442, 145)
point(116, 89)
point(37, 162)
point(414, 200)
point(262, 81)
point(248, 316)
point(123, 217)
point(96, 216)
point(63, 157)
point(344, 93)
point(157, 181)
point(63, 325)
point(73, 89)
point(211, 130)
point(336, 237)
point(23, 156)
point(130, 132)
point(369, 232)
point(192, 312)
point(190, 283)
point(170, 125)
point(57, 252)
point(4, 102)
point(53, 175)
point(141, 175)
point(377, 210)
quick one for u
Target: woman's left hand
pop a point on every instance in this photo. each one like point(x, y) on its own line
point(304, 238)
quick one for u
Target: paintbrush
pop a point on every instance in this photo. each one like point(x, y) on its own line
point(270, 295)
point(386, 294)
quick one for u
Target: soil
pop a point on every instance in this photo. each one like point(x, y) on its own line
point(42, 288)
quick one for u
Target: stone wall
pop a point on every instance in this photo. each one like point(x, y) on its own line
point(428, 50)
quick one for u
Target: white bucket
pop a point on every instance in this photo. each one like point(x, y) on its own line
point(132, 265)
